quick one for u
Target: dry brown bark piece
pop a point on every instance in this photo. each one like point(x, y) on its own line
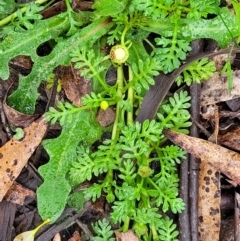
point(15, 153)
point(7, 218)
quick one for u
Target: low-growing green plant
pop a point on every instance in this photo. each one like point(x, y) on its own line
point(144, 38)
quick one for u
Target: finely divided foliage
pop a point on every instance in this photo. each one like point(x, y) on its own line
point(121, 165)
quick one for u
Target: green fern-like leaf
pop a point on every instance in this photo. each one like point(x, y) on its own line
point(168, 192)
point(128, 171)
point(81, 170)
point(144, 71)
point(102, 231)
point(148, 216)
point(172, 155)
point(174, 114)
point(6, 7)
point(197, 71)
point(168, 230)
point(151, 8)
point(88, 62)
point(171, 52)
point(122, 209)
point(115, 34)
point(202, 9)
point(65, 112)
point(92, 99)
point(26, 20)
point(94, 192)
point(89, 164)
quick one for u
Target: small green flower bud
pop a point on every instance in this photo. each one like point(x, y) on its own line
point(140, 229)
point(119, 54)
point(110, 197)
point(145, 171)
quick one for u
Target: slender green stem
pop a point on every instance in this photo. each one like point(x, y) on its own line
point(154, 233)
point(14, 15)
point(68, 5)
point(100, 80)
point(39, 226)
point(174, 40)
point(130, 97)
point(123, 35)
point(120, 79)
point(126, 224)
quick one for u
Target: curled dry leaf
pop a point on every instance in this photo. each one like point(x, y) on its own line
point(16, 118)
point(15, 153)
point(224, 160)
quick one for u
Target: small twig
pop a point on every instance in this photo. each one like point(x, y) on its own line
point(2, 114)
point(84, 227)
point(49, 234)
point(236, 217)
point(203, 130)
point(194, 165)
point(184, 225)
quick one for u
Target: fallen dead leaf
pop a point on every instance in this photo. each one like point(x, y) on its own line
point(57, 237)
point(222, 159)
point(231, 138)
point(18, 193)
point(74, 85)
point(208, 203)
point(15, 153)
point(216, 89)
point(22, 63)
point(76, 237)
point(128, 236)
point(16, 118)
